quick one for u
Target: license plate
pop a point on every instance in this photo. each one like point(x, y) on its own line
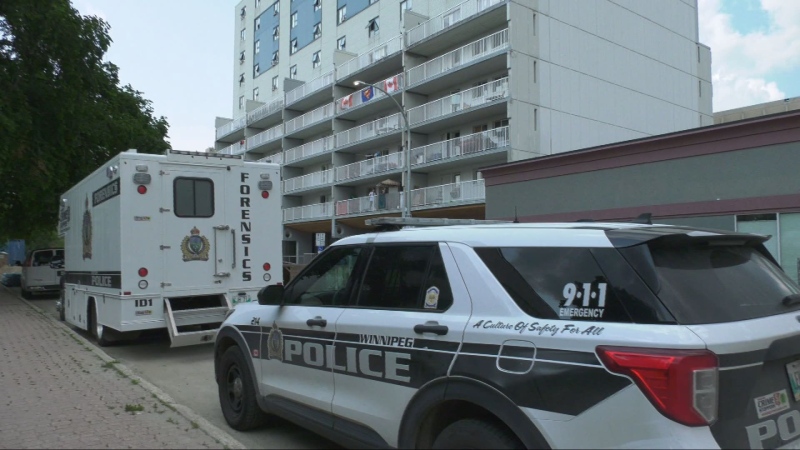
point(793, 370)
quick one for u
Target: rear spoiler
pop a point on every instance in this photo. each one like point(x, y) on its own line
point(621, 238)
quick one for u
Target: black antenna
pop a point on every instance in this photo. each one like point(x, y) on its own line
point(516, 219)
point(645, 218)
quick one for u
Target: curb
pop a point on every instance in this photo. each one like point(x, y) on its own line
point(225, 440)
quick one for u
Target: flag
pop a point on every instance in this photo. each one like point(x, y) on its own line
point(391, 84)
point(347, 101)
point(366, 94)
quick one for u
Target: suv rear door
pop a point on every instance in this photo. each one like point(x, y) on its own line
point(38, 274)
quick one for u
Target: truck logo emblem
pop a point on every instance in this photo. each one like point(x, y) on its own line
point(86, 231)
point(195, 247)
point(275, 343)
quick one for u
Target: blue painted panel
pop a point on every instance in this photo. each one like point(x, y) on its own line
point(353, 7)
point(269, 20)
point(306, 19)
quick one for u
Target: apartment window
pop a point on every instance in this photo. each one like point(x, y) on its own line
point(341, 43)
point(699, 88)
point(373, 28)
point(317, 5)
point(341, 15)
point(535, 76)
point(315, 60)
point(258, 23)
point(293, 47)
point(501, 123)
point(276, 8)
point(293, 72)
point(258, 46)
point(533, 25)
point(317, 30)
point(241, 79)
point(294, 20)
point(241, 58)
point(276, 33)
point(258, 3)
point(535, 120)
point(244, 11)
point(480, 128)
point(242, 34)
point(241, 102)
point(478, 175)
point(275, 83)
point(274, 57)
point(256, 70)
point(405, 5)
point(255, 93)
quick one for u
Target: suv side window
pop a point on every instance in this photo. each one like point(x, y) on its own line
point(406, 277)
point(327, 280)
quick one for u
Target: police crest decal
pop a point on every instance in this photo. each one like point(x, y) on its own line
point(195, 247)
point(275, 343)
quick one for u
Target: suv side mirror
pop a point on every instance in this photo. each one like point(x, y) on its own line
point(271, 295)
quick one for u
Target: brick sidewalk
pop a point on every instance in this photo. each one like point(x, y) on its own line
point(58, 391)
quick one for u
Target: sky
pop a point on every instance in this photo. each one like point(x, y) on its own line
point(179, 54)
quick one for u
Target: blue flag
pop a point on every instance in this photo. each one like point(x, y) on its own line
point(366, 94)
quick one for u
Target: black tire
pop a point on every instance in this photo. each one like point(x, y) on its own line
point(97, 330)
point(62, 313)
point(26, 294)
point(476, 433)
point(237, 392)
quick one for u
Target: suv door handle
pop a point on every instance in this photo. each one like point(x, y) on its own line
point(317, 321)
point(434, 328)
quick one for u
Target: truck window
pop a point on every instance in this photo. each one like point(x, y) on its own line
point(193, 197)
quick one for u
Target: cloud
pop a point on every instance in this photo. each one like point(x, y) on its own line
point(742, 63)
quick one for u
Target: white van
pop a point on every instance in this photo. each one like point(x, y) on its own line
point(41, 271)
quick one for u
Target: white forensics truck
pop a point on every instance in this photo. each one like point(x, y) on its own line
point(169, 241)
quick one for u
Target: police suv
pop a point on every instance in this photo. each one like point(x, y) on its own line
point(525, 335)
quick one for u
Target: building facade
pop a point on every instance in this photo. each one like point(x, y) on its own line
point(473, 83)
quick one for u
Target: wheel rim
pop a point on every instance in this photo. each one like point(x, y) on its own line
point(235, 388)
point(98, 329)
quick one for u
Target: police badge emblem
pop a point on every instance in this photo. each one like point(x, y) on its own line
point(275, 343)
point(86, 231)
point(195, 247)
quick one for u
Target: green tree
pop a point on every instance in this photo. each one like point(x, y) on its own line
point(63, 112)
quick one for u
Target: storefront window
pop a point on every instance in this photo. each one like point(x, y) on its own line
point(790, 245)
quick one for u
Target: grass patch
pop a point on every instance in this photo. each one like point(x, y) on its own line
point(195, 425)
point(134, 381)
point(134, 408)
point(172, 421)
point(109, 364)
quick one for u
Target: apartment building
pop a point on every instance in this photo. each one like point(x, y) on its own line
point(474, 84)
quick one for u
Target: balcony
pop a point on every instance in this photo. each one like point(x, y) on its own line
point(276, 158)
point(310, 123)
point(362, 65)
point(370, 132)
point(308, 212)
point(309, 149)
point(354, 106)
point(372, 166)
point(235, 149)
point(479, 15)
point(465, 192)
point(309, 181)
point(311, 93)
point(232, 131)
point(379, 204)
point(461, 106)
point(431, 76)
point(266, 140)
point(265, 115)
point(470, 146)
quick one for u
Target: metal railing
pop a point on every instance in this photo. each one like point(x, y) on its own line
point(310, 87)
point(265, 136)
point(307, 212)
point(461, 146)
point(306, 181)
point(459, 57)
point(390, 85)
point(447, 19)
point(370, 57)
point(265, 110)
point(310, 118)
point(379, 203)
point(463, 192)
point(234, 149)
point(371, 166)
point(305, 258)
point(230, 127)
point(370, 129)
point(276, 158)
point(309, 149)
point(479, 95)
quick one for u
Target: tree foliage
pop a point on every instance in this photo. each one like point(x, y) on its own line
point(63, 112)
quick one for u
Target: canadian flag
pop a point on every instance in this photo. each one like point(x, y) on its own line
point(347, 101)
point(391, 84)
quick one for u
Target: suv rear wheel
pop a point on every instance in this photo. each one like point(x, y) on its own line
point(476, 433)
point(237, 393)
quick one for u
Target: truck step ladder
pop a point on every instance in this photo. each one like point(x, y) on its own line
point(188, 317)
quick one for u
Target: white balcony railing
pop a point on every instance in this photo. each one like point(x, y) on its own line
point(308, 212)
point(310, 87)
point(463, 192)
point(265, 110)
point(462, 146)
point(380, 203)
point(310, 118)
point(309, 149)
point(369, 130)
point(390, 85)
point(447, 19)
point(459, 57)
point(234, 149)
point(276, 158)
point(470, 98)
point(306, 181)
point(370, 57)
point(230, 127)
point(265, 136)
point(371, 166)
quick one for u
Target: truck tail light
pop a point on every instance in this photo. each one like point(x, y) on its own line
point(142, 189)
point(682, 384)
point(264, 194)
point(143, 272)
point(267, 266)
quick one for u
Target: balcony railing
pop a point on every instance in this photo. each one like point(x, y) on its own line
point(390, 85)
point(309, 149)
point(234, 149)
point(371, 166)
point(265, 136)
point(479, 95)
point(308, 88)
point(447, 19)
point(308, 212)
point(462, 146)
point(307, 181)
point(463, 192)
point(310, 118)
point(276, 158)
point(230, 127)
point(369, 57)
point(265, 110)
point(379, 203)
point(369, 130)
point(459, 57)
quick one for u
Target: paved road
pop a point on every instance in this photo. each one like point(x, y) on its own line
point(187, 375)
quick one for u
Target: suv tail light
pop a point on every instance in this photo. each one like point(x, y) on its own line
point(682, 384)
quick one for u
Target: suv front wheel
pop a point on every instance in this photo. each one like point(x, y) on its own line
point(476, 433)
point(237, 393)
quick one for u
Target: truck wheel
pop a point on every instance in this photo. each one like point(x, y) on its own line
point(97, 330)
point(26, 294)
point(237, 392)
point(476, 433)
